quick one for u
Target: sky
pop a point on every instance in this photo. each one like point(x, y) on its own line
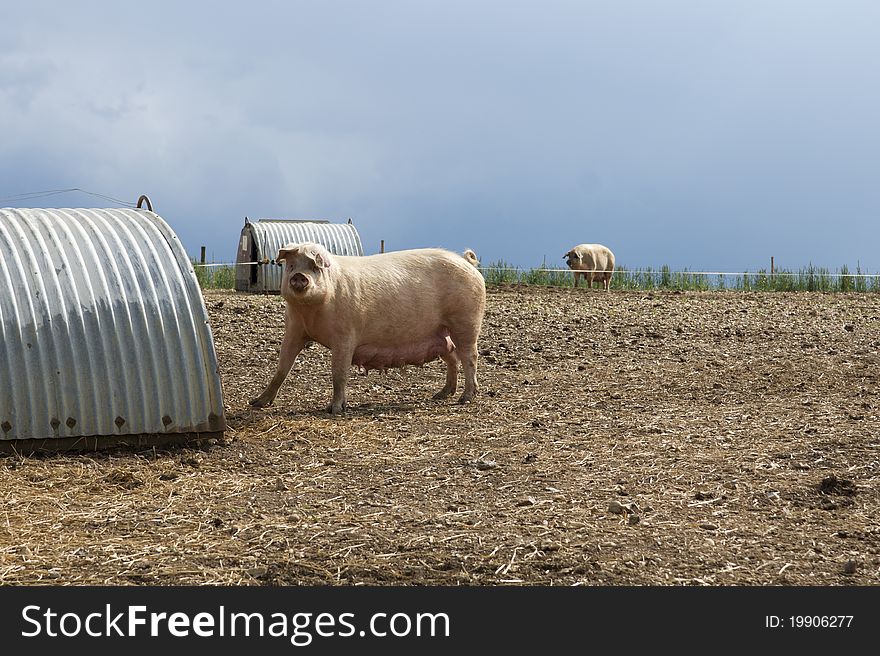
point(702, 134)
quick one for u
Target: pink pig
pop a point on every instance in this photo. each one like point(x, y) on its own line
point(380, 312)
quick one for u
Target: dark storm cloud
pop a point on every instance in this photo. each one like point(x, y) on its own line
point(700, 134)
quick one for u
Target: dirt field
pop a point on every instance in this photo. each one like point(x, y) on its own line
point(624, 438)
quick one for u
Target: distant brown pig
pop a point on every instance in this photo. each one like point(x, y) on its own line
point(593, 261)
point(380, 312)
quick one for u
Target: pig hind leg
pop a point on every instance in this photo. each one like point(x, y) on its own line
point(451, 361)
point(465, 338)
point(467, 353)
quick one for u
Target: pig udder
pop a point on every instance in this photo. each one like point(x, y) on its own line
point(370, 356)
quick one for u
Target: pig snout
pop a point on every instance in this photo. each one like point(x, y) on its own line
point(298, 282)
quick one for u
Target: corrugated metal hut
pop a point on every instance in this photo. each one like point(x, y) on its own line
point(104, 336)
point(261, 240)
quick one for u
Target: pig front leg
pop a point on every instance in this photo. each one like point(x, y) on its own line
point(293, 343)
point(340, 366)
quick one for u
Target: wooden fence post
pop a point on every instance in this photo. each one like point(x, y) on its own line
point(202, 258)
point(382, 246)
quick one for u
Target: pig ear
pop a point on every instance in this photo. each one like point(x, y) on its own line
point(321, 260)
point(283, 254)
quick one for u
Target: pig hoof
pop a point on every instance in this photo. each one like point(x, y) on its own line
point(442, 394)
point(336, 409)
point(467, 396)
point(260, 402)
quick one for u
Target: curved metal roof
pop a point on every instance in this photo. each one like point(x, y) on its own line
point(271, 235)
point(103, 330)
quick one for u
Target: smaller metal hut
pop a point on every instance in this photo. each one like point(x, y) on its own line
point(260, 241)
